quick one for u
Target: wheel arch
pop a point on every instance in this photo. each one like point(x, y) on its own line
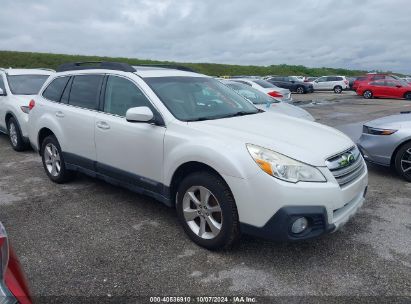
point(188, 168)
point(394, 154)
point(405, 94)
point(43, 133)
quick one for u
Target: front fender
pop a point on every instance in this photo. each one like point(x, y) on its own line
point(229, 161)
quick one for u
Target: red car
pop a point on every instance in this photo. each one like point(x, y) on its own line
point(13, 285)
point(385, 88)
point(370, 77)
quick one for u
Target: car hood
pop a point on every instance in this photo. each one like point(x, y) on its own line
point(287, 109)
point(392, 121)
point(306, 141)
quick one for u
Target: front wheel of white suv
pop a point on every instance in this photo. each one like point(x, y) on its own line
point(53, 161)
point(207, 211)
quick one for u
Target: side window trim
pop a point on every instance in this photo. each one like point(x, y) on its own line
point(68, 88)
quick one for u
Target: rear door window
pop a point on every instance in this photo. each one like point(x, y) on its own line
point(55, 89)
point(85, 91)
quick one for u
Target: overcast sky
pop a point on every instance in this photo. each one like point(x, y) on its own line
point(363, 34)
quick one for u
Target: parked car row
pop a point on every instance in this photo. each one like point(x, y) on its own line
point(196, 144)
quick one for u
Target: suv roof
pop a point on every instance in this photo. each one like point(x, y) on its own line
point(39, 71)
point(159, 70)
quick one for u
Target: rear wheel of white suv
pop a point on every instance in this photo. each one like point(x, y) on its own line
point(207, 211)
point(16, 139)
point(338, 89)
point(53, 161)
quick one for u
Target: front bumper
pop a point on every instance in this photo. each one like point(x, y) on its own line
point(268, 206)
point(379, 148)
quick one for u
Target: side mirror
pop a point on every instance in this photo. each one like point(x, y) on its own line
point(292, 81)
point(2, 93)
point(139, 114)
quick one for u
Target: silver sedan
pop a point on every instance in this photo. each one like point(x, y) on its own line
point(387, 141)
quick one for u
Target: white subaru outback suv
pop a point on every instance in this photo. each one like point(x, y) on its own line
point(331, 83)
point(17, 88)
point(191, 142)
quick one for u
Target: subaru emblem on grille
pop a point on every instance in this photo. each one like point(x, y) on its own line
point(346, 160)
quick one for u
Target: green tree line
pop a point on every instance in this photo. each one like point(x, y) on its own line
point(52, 61)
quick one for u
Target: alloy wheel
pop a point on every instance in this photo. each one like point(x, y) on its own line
point(300, 90)
point(202, 212)
point(406, 162)
point(52, 159)
point(13, 134)
point(367, 94)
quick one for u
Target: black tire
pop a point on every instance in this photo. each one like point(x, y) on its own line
point(16, 138)
point(368, 94)
point(407, 95)
point(63, 175)
point(229, 233)
point(300, 90)
point(402, 157)
point(337, 89)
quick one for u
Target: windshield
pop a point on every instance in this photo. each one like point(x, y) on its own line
point(255, 96)
point(199, 98)
point(26, 84)
point(264, 84)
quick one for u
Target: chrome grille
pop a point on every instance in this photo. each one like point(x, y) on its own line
point(346, 166)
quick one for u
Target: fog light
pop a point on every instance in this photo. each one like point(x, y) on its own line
point(299, 225)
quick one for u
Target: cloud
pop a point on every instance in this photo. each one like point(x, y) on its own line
point(351, 34)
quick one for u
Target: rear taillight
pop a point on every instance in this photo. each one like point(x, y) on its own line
point(346, 81)
point(275, 94)
point(32, 103)
point(4, 252)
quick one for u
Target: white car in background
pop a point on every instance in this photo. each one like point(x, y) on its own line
point(298, 78)
point(17, 88)
point(266, 102)
point(331, 83)
point(266, 87)
point(194, 144)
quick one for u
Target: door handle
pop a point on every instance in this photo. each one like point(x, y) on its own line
point(103, 125)
point(59, 114)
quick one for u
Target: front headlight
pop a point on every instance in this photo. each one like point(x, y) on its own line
point(377, 131)
point(283, 167)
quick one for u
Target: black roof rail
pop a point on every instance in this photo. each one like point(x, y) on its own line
point(168, 66)
point(89, 65)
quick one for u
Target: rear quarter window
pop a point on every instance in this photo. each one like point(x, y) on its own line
point(55, 89)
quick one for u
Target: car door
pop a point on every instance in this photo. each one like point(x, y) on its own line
point(76, 114)
point(393, 89)
point(378, 88)
point(131, 152)
point(320, 83)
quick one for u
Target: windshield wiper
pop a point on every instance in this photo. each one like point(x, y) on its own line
point(240, 113)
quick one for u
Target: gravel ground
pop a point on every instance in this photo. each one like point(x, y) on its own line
point(88, 238)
